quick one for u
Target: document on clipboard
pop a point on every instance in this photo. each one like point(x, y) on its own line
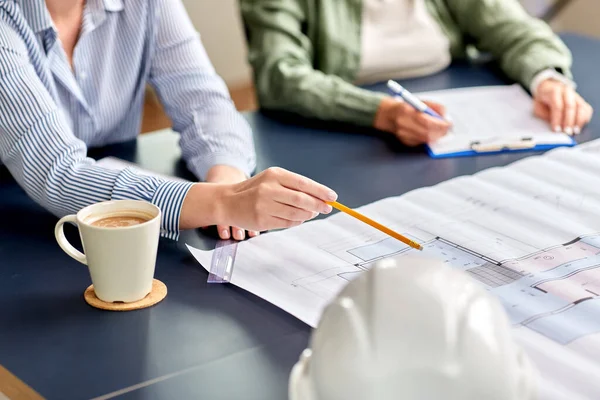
point(491, 119)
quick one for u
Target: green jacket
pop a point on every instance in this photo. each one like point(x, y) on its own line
point(306, 53)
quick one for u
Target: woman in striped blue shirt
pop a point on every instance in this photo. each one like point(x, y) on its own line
point(72, 75)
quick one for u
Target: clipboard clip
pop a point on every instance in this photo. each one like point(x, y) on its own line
point(495, 145)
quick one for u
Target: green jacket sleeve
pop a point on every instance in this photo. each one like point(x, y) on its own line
point(282, 58)
point(523, 45)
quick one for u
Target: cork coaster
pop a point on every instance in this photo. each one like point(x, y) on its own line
point(158, 292)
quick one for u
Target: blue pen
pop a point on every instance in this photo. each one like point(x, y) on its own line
point(412, 99)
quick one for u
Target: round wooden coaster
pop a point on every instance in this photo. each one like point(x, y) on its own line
point(158, 292)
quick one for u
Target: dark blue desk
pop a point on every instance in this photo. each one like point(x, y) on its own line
point(203, 341)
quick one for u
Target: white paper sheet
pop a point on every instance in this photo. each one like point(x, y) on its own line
point(490, 114)
point(528, 232)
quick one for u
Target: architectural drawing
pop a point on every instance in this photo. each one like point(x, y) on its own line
point(544, 291)
point(529, 233)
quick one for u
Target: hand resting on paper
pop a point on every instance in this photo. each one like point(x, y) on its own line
point(410, 126)
point(561, 106)
point(274, 199)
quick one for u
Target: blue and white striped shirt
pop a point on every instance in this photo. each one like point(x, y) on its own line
point(50, 113)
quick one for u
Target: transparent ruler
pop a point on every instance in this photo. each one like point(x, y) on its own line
point(223, 259)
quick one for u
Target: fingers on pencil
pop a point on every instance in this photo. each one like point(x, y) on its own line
point(437, 107)
point(408, 138)
point(303, 184)
point(422, 129)
point(291, 213)
point(301, 201)
point(294, 200)
point(281, 223)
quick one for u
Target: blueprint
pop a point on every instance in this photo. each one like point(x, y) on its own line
point(529, 233)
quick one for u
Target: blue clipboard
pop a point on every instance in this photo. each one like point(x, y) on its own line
point(524, 145)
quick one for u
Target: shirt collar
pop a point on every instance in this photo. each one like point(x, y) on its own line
point(36, 13)
point(102, 6)
point(113, 5)
point(97, 10)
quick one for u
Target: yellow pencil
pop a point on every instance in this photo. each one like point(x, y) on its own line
point(374, 224)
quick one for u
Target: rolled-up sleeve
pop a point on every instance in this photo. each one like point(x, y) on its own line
point(212, 131)
point(47, 160)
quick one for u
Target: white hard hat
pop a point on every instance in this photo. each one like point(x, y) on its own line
point(413, 328)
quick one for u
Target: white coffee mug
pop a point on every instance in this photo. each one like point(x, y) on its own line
point(121, 260)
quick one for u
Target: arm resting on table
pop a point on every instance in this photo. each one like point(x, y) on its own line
point(281, 55)
point(48, 161)
point(196, 98)
point(523, 45)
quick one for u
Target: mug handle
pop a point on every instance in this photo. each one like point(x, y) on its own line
point(64, 243)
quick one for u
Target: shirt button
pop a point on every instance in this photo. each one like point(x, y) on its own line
point(83, 75)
